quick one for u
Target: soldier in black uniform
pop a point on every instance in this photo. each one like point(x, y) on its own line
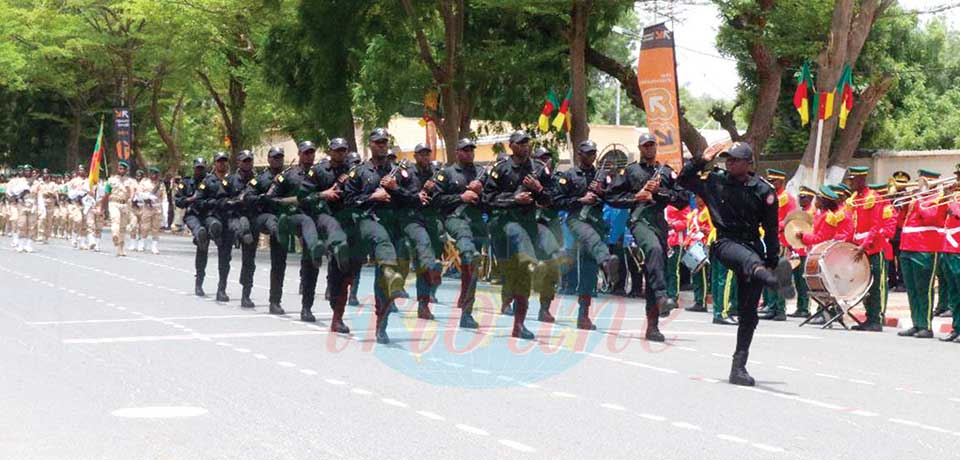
point(740, 202)
point(367, 202)
point(580, 192)
point(321, 191)
point(186, 198)
point(549, 239)
point(513, 190)
point(243, 225)
point(353, 159)
point(284, 196)
point(420, 224)
point(646, 187)
point(215, 193)
point(457, 198)
point(265, 222)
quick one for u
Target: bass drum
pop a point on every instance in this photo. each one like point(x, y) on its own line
point(834, 276)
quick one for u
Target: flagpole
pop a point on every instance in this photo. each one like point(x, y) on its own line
point(816, 154)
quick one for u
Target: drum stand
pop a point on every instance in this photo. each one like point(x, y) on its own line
point(834, 312)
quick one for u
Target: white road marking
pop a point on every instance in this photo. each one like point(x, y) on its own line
point(561, 394)
point(242, 350)
point(335, 382)
point(768, 448)
point(532, 385)
point(653, 368)
point(655, 418)
point(516, 445)
point(431, 415)
point(472, 429)
point(308, 372)
point(260, 356)
point(159, 318)
point(788, 368)
point(864, 413)
point(727, 437)
point(286, 364)
point(224, 344)
point(394, 402)
point(361, 391)
point(686, 348)
point(686, 426)
point(227, 335)
point(159, 412)
point(828, 376)
point(719, 334)
point(480, 371)
point(862, 382)
point(956, 400)
point(613, 406)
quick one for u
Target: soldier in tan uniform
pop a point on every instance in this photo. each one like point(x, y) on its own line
point(151, 194)
point(48, 191)
point(4, 206)
point(93, 216)
point(77, 189)
point(13, 206)
point(136, 209)
point(31, 208)
point(118, 197)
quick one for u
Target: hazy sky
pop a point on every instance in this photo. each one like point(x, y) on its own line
point(699, 65)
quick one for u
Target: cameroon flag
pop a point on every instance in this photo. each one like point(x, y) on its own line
point(549, 106)
point(800, 99)
point(824, 101)
point(562, 116)
point(94, 177)
point(845, 88)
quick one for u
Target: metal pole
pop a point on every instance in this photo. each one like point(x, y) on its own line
point(816, 155)
point(618, 102)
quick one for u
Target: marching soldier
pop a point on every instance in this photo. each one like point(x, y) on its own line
point(27, 190)
point(549, 238)
point(513, 189)
point(322, 189)
point(265, 222)
point(872, 227)
point(367, 202)
point(646, 188)
point(806, 203)
point(580, 191)
point(153, 195)
point(119, 193)
point(215, 193)
point(920, 244)
point(49, 193)
point(136, 212)
point(457, 198)
point(186, 197)
point(741, 204)
point(244, 224)
point(420, 225)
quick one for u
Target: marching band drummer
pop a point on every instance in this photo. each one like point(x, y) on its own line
point(776, 305)
point(699, 228)
point(920, 243)
point(950, 259)
point(830, 224)
point(807, 203)
point(872, 227)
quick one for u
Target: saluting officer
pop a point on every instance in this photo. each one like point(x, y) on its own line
point(265, 222)
point(457, 197)
point(186, 198)
point(366, 200)
point(740, 204)
point(321, 191)
point(580, 191)
point(646, 188)
point(513, 190)
point(215, 193)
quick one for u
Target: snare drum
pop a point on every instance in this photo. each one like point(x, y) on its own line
point(834, 276)
point(695, 257)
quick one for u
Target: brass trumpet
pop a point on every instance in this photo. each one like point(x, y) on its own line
point(926, 189)
point(893, 188)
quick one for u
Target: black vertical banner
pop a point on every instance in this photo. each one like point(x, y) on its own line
point(122, 131)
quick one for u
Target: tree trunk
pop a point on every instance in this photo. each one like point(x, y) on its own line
point(849, 29)
point(238, 102)
point(627, 77)
point(579, 131)
point(73, 141)
point(171, 160)
point(849, 138)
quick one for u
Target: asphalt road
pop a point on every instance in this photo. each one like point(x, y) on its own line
point(115, 358)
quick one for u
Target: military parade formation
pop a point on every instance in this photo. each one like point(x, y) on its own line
point(743, 238)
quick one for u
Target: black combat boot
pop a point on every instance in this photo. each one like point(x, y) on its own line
point(583, 315)
point(245, 301)
point(738, 371)
point(198, 287)
point(520, 313)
